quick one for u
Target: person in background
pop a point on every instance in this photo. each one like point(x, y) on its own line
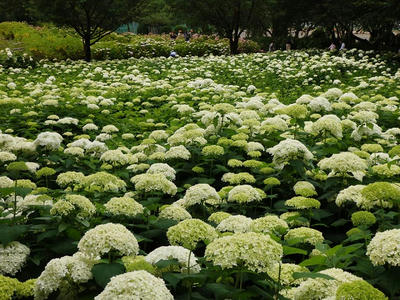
point(188, 35)
point(342, 46)
point(271, 47)
point(288, 46)
point(172, 35)
point(332, 47)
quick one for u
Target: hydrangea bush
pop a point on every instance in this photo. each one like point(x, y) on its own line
point(232, 177)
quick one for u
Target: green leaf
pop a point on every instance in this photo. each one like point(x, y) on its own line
point(315, 260)
point(46, 235)
point(172, 278)
point(292, 250)
point(6, 191)
point(297, 275)
point(62, 227)
point(164, 263)
point(102, 273)
point(11, 233)
point(339, 222)
point(65, 246)
point(220, 291)
point(73, 234)
point(21, 191)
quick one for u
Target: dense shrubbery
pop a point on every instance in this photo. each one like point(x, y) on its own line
point(235, 177)
point(49, 42)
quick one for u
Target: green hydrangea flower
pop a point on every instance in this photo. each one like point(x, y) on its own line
point(271, 181)
point(360, 290)
point(45, 172)
point(213, 151)
point(137, 263)
point(189, 232)
point(382, 194)
point(304, 235)
point(254, 251)
point(304, 188)
point(300, 202)
point(363, 218)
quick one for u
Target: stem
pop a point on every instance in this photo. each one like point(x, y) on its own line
point(188, 263)
point(278, 287)
point(241, 280)
point(188, 271)
point(15, 202)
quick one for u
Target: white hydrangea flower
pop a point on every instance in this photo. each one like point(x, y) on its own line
point(161, 168)
point(135, 285)
point(384, 248)
point(343, 163)
point(179, 253)
point(13, 257)
point(108, 237)
point(287, 150)
point(237, 223)
point(49, 140)
point(199, 194)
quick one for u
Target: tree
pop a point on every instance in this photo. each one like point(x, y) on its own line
point(229, 17)
point(156, 15)
point(19, 10)
point(91, 19)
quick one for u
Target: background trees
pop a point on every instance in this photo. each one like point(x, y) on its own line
point(320, 22)
point(91, 19)
point(230, 18)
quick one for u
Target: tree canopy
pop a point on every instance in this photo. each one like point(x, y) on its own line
point(91, 19)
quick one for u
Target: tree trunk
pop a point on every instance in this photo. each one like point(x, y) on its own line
point(86, 48)
point(234, 45)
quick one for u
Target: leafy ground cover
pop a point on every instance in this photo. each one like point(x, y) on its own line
point(52, 43)
point(261, 175)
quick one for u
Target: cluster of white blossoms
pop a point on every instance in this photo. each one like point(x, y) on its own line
point(288, 150)
point(161, 168)
point(69, 178)
point(61, 273)
point(237, 223)
point(49, 140)
point(344, 163)
point(135, 285)
point(108, 237)
point(327, 125)
point(320, 288)
point(201, 193)
point(6, 156)
point(269, 224)
point(178, 152)
point(245, 193)
point(103, 182)
point(174, 212)
point(384, 248)
point(154, 182)
point(123, 206)
point(187, 261)
point(12, 257)
point(6, 182)
point(115, 157)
